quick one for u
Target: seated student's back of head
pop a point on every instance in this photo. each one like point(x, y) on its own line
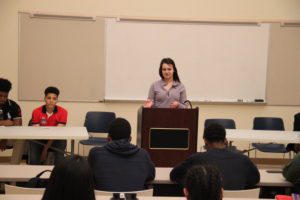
point(203, 182)
point(119, 129)
point(214, 133)
point(71, 179)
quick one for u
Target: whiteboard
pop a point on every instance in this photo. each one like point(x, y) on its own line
point(215, 62)
point(66, 52)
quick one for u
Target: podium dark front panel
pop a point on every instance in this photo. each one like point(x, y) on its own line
point(174, 125)
point(169, 138)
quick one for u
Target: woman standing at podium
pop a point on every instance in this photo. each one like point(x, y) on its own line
point(168, 92)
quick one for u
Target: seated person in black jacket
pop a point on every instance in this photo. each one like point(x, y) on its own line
point(120, 166)
point(238, 172)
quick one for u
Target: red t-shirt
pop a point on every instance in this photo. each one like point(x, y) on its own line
point(59, 116)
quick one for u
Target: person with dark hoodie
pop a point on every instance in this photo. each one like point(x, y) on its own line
point(120, 166)
point(237, 170)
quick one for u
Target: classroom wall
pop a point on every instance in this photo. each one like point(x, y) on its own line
point(270, 10)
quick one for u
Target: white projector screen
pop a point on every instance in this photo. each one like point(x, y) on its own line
point(216, 62)
point(64, 52)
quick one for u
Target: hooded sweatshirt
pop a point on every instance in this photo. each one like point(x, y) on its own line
point(120, 166)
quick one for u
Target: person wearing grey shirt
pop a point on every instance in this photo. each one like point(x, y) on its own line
point(168, 92)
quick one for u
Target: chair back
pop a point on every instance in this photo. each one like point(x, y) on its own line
point(98, 122)
point(227, 123)
point(148, 192)
point(11, 189)
point(268, 123)
point(252, 193)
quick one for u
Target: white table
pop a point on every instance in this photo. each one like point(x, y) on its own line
point(22, 173)
point(263, 136)
point(273, 179)
point(38, 197)
point(266, 179)
point(22, 133)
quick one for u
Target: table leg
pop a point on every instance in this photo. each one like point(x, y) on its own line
point(72, 147)
point(18, 149)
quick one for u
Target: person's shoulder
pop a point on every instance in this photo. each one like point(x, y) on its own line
point(96, 150)
point(198, 155)
point(223, 152)
point(95, 154)
point(238, 155)
point(179, 84)
point(158, 82)
point(142, 151)
point(296, 158)
point(12, 104)
point(61, 109)
point(233, 152)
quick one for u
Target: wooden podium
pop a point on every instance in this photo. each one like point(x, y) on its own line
point(167, 119)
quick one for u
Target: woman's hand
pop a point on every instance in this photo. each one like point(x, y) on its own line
point(174, 104)
point(148, 103)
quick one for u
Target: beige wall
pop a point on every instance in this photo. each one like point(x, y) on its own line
point(186, 9)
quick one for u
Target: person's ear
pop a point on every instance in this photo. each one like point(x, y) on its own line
point(186, 193)
point(109, 139)
point(226, 142)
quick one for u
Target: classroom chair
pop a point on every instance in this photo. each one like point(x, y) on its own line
point(227, 123)
point(269, 123)
point(97, 122)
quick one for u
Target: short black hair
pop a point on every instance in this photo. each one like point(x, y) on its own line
point(71, 179)
point(214, 133)
point(51, 89)
point(204, 182)
point(5, 85)
point(119, 129)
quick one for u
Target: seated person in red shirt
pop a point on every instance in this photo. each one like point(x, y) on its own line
point(49, 114)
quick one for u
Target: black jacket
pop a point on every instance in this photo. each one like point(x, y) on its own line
point(121, 166)
point(237, 170)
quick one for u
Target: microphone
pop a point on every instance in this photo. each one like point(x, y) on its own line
point(190, 104)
